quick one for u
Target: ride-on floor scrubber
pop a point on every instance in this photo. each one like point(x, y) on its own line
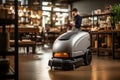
point(69, 49)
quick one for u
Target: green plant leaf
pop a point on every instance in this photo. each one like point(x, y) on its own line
point(116, 13)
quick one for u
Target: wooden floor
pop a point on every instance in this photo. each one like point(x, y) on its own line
point(35, 67)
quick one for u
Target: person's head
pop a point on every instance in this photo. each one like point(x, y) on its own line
point(74, 11)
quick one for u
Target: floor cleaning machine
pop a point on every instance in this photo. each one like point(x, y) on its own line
point(69, 49)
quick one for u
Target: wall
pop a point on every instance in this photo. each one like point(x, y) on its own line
point(87, 6)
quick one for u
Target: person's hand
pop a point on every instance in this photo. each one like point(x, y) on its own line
point(72, 23)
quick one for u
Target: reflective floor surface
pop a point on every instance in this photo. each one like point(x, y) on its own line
point(35, 67)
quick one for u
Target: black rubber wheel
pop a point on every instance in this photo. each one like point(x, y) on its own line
point(87, 58)
point(70, 67)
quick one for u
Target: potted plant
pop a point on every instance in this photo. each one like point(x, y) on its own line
point(115, 19)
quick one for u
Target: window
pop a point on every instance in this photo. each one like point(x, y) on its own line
point(46, 3)
point(46, 8)
point(24, 2)
point(58, 16)
point(60, 9)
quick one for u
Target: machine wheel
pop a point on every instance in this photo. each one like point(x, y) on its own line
point(50, 64)
point(87, 57)
point(70, 67)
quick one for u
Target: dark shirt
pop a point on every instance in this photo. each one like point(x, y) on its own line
point(78, 21)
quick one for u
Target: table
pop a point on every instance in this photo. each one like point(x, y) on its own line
point(51, 36)
point(24, 43)
point(110, 32)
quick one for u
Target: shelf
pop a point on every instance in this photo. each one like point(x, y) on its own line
point(94, 49)
point(7, 53)
point(105, 49)
point(86, 16)
point(117, 50)
point(10, 52)
point(6, 22)
point(12, 74)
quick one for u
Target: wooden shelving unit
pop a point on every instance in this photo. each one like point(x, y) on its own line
point(9, 75)
point(6, 22)
point(102, 49)
point(13, 70)
point(98, 33)
point(105, 49)
point(117, 50)
point(86, 16)
point(113, 50)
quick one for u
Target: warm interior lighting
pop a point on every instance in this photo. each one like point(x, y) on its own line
point(61, 55)
point(49, 5)
point(24, 10)
point(36, 3)
point(20, 14)
point(37, 16)
point(33, 16)
point(11, 10)
point(54, 18)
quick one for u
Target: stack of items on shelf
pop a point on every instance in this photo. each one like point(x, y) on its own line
point(4, 66)
point(98, 20)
